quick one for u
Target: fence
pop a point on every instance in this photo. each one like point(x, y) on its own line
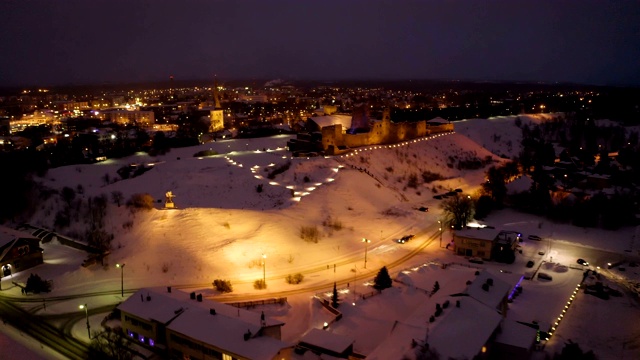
point(254, 303)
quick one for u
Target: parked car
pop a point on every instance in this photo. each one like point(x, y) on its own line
point(530, 264)
point(458, 190)
point(476, 260)
point(437, 197)
point(544, 276)
point(583, 262)
point(534, 237)
point(405, 238)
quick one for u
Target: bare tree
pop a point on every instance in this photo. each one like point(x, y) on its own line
point(458, 209)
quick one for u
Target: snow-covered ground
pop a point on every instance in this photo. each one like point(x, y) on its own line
point(224, 225)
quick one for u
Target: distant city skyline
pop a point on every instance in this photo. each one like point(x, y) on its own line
point(47, 43)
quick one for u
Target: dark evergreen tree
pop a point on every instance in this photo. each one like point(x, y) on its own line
point(571, 351)
point(483, 207)
point(495, 186)
point(334, 297)
point(382, 280)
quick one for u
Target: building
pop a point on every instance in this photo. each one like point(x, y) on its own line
point(183, 325)
point(494, 290)
point(139, 118)
point(324, 342)
point(18, 251)
point(216, 114)
point(475, 242)
point(471, 323)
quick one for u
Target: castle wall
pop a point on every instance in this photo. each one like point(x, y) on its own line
point(332, 138)
point(382, 132)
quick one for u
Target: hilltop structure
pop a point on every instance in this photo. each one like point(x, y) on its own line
point(338, 133)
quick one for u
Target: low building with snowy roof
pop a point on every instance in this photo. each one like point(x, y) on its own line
point(470, 324)
point(475, 242)
point(465, 330)
point(18, 251)
point(324, 342)
point(184, 325)
point(515, 341)
point(494, 289)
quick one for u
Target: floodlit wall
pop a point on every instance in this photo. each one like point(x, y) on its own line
point(382, 132)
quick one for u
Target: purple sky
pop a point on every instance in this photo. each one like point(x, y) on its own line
point(88, 41)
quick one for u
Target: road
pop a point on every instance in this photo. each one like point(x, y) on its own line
point(41, 331)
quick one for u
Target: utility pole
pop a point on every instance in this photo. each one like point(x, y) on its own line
point(366, 245)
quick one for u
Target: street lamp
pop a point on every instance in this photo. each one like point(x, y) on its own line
point(366, 245)
point(264, 270)
point(440, 229)
point(121, 266)
point(86, 314)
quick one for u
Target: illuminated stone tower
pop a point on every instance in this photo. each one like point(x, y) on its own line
point(216, 115)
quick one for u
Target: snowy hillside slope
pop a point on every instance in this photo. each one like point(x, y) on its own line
point(501, 135)
point(222, 217)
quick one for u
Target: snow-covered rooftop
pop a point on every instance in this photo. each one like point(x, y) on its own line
point(479, 233)
point(328, 120)
point(327, 340)
point(227, 333)
point(496, 293)
point(194, 319)
point(516, 334)
point(461, 331)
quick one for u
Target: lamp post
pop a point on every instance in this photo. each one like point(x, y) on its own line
point(366, 245)
point(440, 229)
point(264, 269)
point(86, 314)
point(121, 266)
point(355, 280)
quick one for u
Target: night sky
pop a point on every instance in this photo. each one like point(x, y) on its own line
point(97, 41)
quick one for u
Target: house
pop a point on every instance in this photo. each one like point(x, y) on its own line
point(475, 242)
point(18, 251)
point(182, 325)
point(494, 289)
point(515, 341)
point(324, 342)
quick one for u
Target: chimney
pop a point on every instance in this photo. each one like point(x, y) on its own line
point(212, 311)
point(199, 297)
point(457, 303)
point(490, 281)
point(169, 289)
point(247, 335)
point(148, 297)
point(192, 296)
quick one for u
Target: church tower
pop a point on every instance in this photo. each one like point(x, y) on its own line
point(217, 114)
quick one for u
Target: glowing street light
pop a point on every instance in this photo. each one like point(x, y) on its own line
point(366, 245)
point(121, 266)
point(86, 314)
point(440, 229)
